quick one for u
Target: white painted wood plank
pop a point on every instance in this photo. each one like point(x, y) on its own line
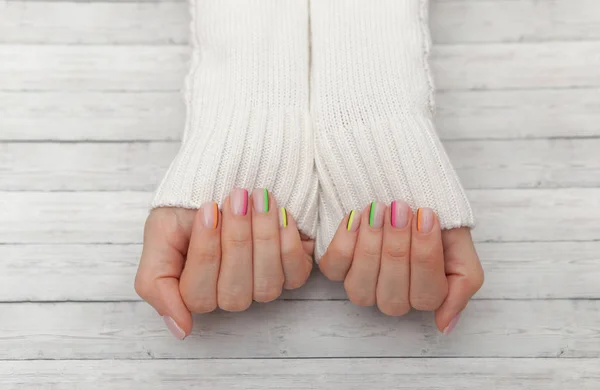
point(530, 270)
point(514, 21)
point(160, 116)
point(140, 166)
point(117, 217)
point(160, 22)
point(162, 68)
point(120, 22)
point(299, 329)
point(84, 116)
point(102, 68)
point(292, 374)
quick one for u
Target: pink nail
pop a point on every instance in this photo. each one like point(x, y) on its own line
point(399, 214)
point(260, 199)
point(239, 201)
point(174, 328)
point(210, 215)
point(376, 215)
point(451, 325)
point(425, 219)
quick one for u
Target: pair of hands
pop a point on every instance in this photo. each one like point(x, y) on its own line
point(195, 261)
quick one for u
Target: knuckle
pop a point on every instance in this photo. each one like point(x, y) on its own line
point(142, 288)
point(396, 251)
point(394, 309)
point(359, 296)
point(233, 303)
point(426, 302)
point(476, 281)
point(200, 304)
point(428, 261)
point(238, 241)
point(370, 250)
point(267, 291)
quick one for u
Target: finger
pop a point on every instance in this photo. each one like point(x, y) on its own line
point(361, 281)
point(337, 259)
point(464, 273)
point(428, 284)
point(268, 271)
point(166, 239)
point(296, 261)
point(234, 286)
point(394, 275)
point(198, 284)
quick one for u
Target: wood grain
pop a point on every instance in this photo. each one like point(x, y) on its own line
point(140, 166)
point(118, 217)
point(109, 116)
point(166, 22)
point(163, 68)
point(528, 270)
point(293, 374)
point(288, 329)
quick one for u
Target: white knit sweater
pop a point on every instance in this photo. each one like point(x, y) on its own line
point(247, 108)
point(371, 106)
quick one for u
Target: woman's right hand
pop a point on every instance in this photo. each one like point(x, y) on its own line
point(195, 261)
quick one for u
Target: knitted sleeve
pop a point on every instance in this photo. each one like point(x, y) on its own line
point(372, 104)
point(246, 97)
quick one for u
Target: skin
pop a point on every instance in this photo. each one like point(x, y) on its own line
point(188, 268)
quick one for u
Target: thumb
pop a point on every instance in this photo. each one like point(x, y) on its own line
point(166, 239)
point(464, 274)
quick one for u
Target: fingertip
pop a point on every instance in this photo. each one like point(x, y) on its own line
point(169, 303)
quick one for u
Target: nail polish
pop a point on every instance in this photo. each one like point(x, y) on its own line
point(376, 215)
point(174, 328)
point(210, 215)
point(451, 325)
point(399, 214)
point(283, 219)
point(239, 201)
point(353, 221)
point(424, 219)
point(260, 198)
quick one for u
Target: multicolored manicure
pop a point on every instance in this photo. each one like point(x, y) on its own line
point(239, 201)
point(425, 219)
point(353, 222)
point(376, 215)
point(210, 215)
point(261, 200)
point(283, 219)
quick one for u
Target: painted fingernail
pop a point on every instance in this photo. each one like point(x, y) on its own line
point(376, 215)
point(283, 219)
point(239, 201)
point(261, 200)
point(353, 222)
point(424, 220)
point(174, 328)
point(451, 325)
point(399, 214)
point(210, 215)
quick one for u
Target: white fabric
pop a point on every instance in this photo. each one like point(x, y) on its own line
point(247, 108)
point(372, 104)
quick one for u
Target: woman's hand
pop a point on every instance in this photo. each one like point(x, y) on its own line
point(195, 261)
point(390, 257)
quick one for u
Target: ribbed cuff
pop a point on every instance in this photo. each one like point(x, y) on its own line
point(247, 148)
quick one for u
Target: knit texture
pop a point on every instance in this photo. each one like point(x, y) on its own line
point(372, 107)
point(247, 106)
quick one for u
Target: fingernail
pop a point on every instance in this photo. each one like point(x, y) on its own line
point(261, 200)
point(239, 201)
point(210, 215)
point(451, 325)
point(399, 214)
point(174, 328)
point(376, 215)
point(353, 222)
point(283, 221)
point(424, 220)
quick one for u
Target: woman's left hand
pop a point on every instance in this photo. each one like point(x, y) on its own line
point(388, 256)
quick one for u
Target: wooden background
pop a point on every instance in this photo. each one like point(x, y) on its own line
point(91, 115)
